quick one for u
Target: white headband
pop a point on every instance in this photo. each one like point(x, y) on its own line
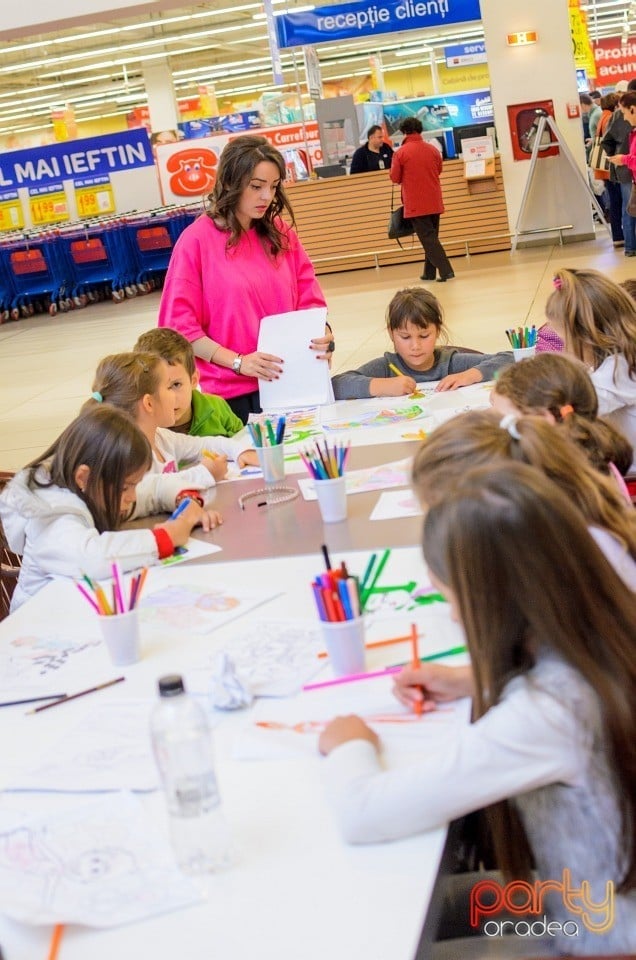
point(509, 423)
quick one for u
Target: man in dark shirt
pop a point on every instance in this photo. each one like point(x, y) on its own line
point(375, 154)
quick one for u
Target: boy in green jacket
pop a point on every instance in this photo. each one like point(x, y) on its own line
point(198, 414)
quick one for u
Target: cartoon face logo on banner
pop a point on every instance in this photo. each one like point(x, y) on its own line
point(193, 172)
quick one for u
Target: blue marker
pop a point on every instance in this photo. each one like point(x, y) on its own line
point(179, 510)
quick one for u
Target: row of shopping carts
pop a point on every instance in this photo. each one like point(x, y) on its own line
point(78, 264)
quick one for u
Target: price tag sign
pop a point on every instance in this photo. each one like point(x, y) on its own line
point(11, 216)
point(94, 200)
point(48, 208)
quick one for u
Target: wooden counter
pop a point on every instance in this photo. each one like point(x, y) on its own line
point(343, 221)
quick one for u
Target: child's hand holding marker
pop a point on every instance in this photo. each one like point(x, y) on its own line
point(186, 516)
point(399, 385)
point(428, 684)
point(216, 463)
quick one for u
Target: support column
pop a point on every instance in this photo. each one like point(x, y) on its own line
point(544, 70)
point(162, 101)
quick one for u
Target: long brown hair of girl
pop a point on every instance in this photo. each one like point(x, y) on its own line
point(561, 386)
point(526, 574)
point(595, 316)
point(107, 441)
point(477, 438)
point(236, 166)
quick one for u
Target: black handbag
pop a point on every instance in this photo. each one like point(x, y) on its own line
point(399, 227)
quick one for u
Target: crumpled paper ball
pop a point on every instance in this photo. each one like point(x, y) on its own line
point(227, 690)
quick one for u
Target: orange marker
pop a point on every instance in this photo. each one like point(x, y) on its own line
point(418, 706)
point(56, 939)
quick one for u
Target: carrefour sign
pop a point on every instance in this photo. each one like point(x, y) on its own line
point(363, 19)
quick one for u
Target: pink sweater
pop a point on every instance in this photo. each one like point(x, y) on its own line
point(211, 292)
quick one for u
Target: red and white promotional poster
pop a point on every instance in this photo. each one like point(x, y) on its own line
point(614, 61)
point(187, 169)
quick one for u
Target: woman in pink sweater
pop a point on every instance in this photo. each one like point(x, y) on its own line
point(234, 266)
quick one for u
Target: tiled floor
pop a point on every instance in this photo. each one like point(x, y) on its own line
point(46, 365)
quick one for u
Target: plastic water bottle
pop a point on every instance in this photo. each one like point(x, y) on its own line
point(183, 748)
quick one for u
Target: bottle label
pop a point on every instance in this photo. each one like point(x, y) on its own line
point(195, 796)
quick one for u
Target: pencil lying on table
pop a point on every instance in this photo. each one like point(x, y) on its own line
point(17, 703)
point(74, 696)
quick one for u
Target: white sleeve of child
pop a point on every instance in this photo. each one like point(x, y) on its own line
point(68, 547)
point(186, 449)
point(156, 492)
point(527, 741)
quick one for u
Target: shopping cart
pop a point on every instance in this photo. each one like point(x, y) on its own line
point(37, 276)
point(99, 262)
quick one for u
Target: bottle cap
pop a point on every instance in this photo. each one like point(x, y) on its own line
point(171, 685)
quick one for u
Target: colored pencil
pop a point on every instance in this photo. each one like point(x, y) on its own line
point(352, 678)
point(179, 510)
point(367, 573)
point(366, 591)
point(387, 671)
point(74, 696)
point(118, 592)
point(16, 703)
point(395, 370)
point(56, 939)
point(86, 594)
point(418, 705)
point(451, 652)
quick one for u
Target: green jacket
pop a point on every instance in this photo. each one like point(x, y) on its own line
point(212, 416)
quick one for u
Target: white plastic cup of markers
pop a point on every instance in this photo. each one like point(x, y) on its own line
point(524, 353)
point(344, 641)
point(272, 462)
point(120, 633)
point(332, 499)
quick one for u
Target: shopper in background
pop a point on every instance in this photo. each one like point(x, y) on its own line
point(616, 141)
point(417, 167)
point(236, 264)
point(375, 154)
point(612, 188)
point(627, 161)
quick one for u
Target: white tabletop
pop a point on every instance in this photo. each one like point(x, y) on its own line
point(295, 889)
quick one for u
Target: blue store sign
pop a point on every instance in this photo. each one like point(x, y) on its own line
point(75, 159)
point(363, 19)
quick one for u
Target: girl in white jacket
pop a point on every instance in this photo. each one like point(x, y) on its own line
point(551, 752)
point(141, 384)
point(63, 512)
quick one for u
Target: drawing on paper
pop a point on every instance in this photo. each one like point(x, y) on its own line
point(195, 607)
point(273, 659)
point(108, 750)
point(100, 864)
point(40, 655)
point(380, 418)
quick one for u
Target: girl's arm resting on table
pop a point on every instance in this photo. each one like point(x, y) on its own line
point(356, 384)
point(468, 368)
point(527, 741)
point(156, 492)
point(69, 548)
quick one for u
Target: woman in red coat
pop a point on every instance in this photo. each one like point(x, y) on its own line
point(417, 167)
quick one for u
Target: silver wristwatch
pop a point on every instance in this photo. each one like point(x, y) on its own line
point(236, 363)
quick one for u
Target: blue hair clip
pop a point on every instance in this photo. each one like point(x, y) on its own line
point(96, 395)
